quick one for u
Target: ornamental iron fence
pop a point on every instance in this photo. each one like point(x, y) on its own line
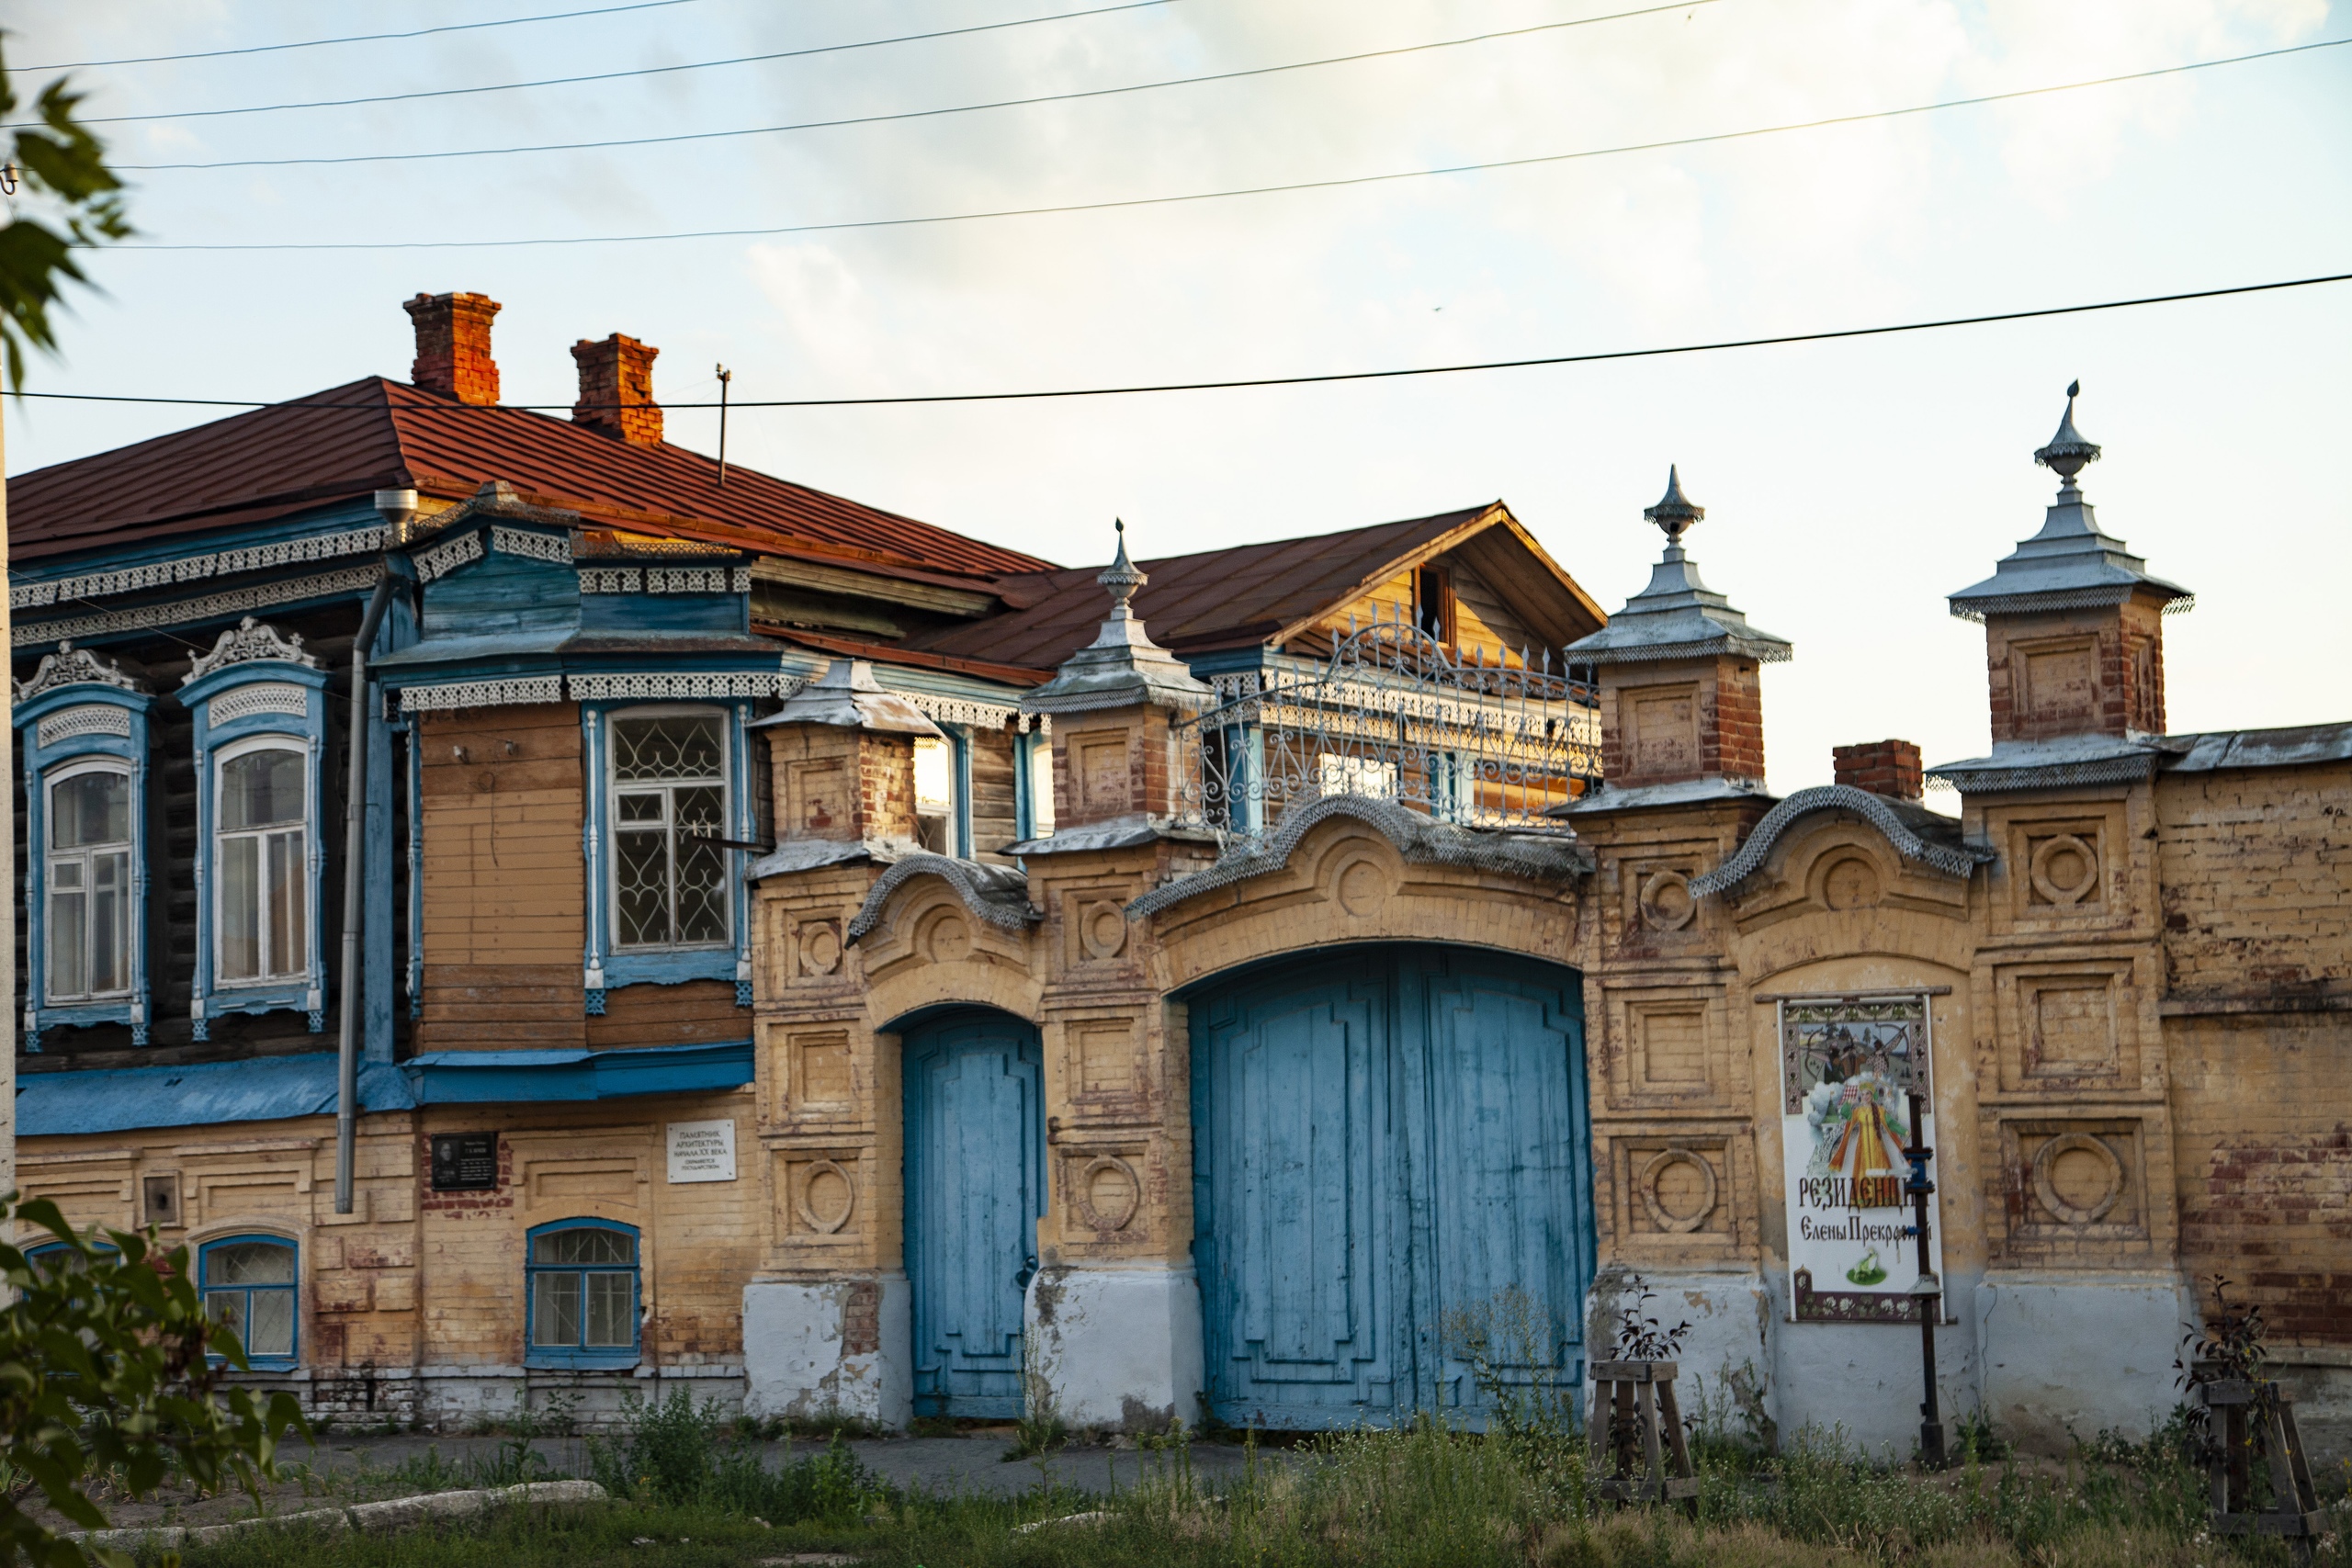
point(1397, 715)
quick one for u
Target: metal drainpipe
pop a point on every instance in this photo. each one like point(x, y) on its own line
point(398, 507)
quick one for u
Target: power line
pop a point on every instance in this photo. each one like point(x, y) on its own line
point(360, 38)
point(1336, 184)
point(604, 75)
point(916, 114)
point(1832, 336)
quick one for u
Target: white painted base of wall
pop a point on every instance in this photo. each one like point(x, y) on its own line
point(1864, 1380)
point(796, 1364)
point(1117, 1348)
point(2078, 1355)
point(1725, 1361)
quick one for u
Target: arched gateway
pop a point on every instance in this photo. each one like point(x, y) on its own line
point(1391, 1155)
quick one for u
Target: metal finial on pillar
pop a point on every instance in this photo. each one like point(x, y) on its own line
point(2068, 451)
point(1121, 576)
point(1674, 511)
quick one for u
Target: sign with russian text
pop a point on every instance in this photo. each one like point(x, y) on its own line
point(702, 1151)
point(1848, 1068)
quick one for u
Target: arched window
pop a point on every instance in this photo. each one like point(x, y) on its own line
point(582, 1296)
point(89, 914)
point(248, 1282)
point(262, 863)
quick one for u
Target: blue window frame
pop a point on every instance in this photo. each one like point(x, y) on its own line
point(666, 902)
point(583, 1290)
point(85, 725)
point(944, 792)
point(260, 734)
point(249, 1285)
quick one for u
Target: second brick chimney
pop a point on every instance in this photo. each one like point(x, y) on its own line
point(616, 389)
point(1890, 767)
point(453, 345)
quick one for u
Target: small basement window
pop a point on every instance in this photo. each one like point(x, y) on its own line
point(248, 1287)
point(582, 1278)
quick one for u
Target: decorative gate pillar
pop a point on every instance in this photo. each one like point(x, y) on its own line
point(1113, 1314)
point(1674, 1104)
point(826, 1328)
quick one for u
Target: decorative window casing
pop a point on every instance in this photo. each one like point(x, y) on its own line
point(260, 737)
point(583, 1290)
point(85, 754)
point(251, 1286)
point(667, 901)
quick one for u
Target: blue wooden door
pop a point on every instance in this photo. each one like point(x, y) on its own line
point(975, 1179)
point(1383, 1140)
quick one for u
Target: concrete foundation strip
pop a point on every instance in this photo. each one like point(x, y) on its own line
point(397, 1513)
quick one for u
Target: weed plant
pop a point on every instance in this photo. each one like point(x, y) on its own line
point(678, 1454)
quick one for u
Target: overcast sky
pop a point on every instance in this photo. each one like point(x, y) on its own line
point(1850, 486)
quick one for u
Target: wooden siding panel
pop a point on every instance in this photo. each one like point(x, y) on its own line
point(693, 1012)
point(505, 903)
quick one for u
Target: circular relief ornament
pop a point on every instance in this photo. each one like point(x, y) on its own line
point(1361, 887)
point(827, 1197)
point(1108, 1192)
point(820, 948)
point(1665, 901)
point(1648, 1182)
point(951, 941)
point(1102, 929)
point(2063, 870)
point(2100, 1159)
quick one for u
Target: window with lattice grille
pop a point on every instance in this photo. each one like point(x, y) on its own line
point(670, 814)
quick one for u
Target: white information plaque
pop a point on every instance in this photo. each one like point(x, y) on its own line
point(702, 1151)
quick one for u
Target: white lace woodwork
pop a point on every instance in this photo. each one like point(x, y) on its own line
point(73, 666)
point(181, 611)
point(665, 579)
point(249, 639)
point(482, 693)
point(522, 541)
point(268, 696)
point(93, 718)
point(695, 687)
point(192, 568)
point(448, 556)
point(962, 710)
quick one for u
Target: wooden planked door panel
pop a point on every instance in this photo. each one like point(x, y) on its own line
point(975, 1187)
point(1385, 1139)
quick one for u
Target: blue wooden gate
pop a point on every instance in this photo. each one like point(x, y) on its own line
point(975, 1175)
point(1385, 1140)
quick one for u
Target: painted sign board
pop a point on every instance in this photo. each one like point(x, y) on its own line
point(1848, 1068)
point(702, 1151)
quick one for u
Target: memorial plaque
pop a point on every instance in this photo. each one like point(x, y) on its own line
point(702, 1151)
point(465, 1162)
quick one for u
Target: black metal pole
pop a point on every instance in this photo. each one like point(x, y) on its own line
point(726, 379)
point(1931, 1426)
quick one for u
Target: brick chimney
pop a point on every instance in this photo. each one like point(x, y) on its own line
point(1890, 767)
point(453, 345)
point(616, 389)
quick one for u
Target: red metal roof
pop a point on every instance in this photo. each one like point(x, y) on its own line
point(376, 433)
point(1193, 604)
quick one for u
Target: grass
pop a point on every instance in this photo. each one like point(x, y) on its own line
point(1421, 1497)
point(690, 1488)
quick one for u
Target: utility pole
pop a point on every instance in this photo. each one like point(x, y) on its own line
point(1926, 1293)
point(725, 376)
